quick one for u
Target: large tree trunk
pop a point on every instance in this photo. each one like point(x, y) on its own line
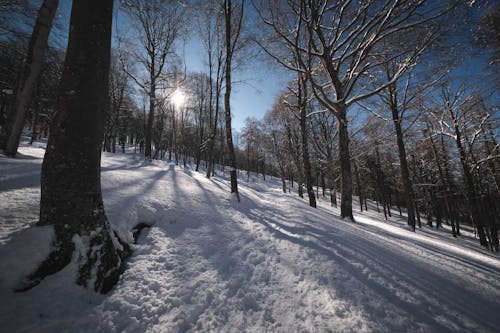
point(29, 76)
point(71, 198)
point(345, 166)
point(405, 173)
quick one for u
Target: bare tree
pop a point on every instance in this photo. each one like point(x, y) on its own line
point(32, 66)
point(458, 118)
point(341, 41)
point(233, 29)
point(156, 26)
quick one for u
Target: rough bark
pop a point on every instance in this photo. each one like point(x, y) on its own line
point(31, 70)
point(71, 199)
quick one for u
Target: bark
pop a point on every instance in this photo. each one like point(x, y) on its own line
point(469, 185)
point(445, 183)
point(358, 185)
point(30, 73)
point(149, 126)
point(405, 173)
point(71, 199)
point(305, 145)
point(345, 166)
point(227, 97)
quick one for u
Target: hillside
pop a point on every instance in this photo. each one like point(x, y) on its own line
point(268, 264)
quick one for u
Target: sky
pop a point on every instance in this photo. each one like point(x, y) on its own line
point(254, 87)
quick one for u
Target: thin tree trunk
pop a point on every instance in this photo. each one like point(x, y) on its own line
point(149, 126)
point(345, 167)
point(358, 185)
point(30, 73)
point(227, 96)
point(405, 173)
point(302, 95)
point(469, 185)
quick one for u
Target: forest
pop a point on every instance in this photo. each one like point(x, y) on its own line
point(383, 106)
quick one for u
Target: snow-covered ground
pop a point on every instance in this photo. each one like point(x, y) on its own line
point(268, 264)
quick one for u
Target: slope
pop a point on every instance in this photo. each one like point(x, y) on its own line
point(268, 264)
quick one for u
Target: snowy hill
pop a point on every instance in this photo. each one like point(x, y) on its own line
point(268, 264)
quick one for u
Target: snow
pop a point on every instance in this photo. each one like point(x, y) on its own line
point(267, 264)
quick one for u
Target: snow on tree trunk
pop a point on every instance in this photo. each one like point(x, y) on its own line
point(71, 198)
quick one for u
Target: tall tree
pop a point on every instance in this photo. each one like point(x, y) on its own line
point(212, 35)
point(71, 199)
point(156, 25)
point(460, 119)
point(341, 42)
point(11, 131)
point(233, 29)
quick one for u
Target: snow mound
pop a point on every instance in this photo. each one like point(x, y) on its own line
point(23, 253)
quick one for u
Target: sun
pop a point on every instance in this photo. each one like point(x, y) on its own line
point(178, 98)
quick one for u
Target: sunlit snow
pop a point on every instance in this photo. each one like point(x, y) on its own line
point(268, 264)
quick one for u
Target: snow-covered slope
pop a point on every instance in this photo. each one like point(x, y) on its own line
point(267, 264)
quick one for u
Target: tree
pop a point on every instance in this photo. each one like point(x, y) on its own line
point(232, 35)
point(71, 199)
point(277, 142)
point(29, 76)
point(340, 42)
point(211, 23)
point(486, 36)
point(461, 118)
point(116, 111)
point(156, 25)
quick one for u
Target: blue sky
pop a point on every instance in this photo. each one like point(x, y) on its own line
point(254, 88)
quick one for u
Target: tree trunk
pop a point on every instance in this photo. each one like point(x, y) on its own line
point(227, 98)
point(305, 145)
point(30, 73)
point(345, 167)
point(34, 122)
point(358, 185)
point(469, 185)
point(71, 198)
point(405, 173)
point(213, 137)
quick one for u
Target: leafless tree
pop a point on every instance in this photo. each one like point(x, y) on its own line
point(11, 131)
point(233, 18)
point(341, 42)
point(156, 24)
